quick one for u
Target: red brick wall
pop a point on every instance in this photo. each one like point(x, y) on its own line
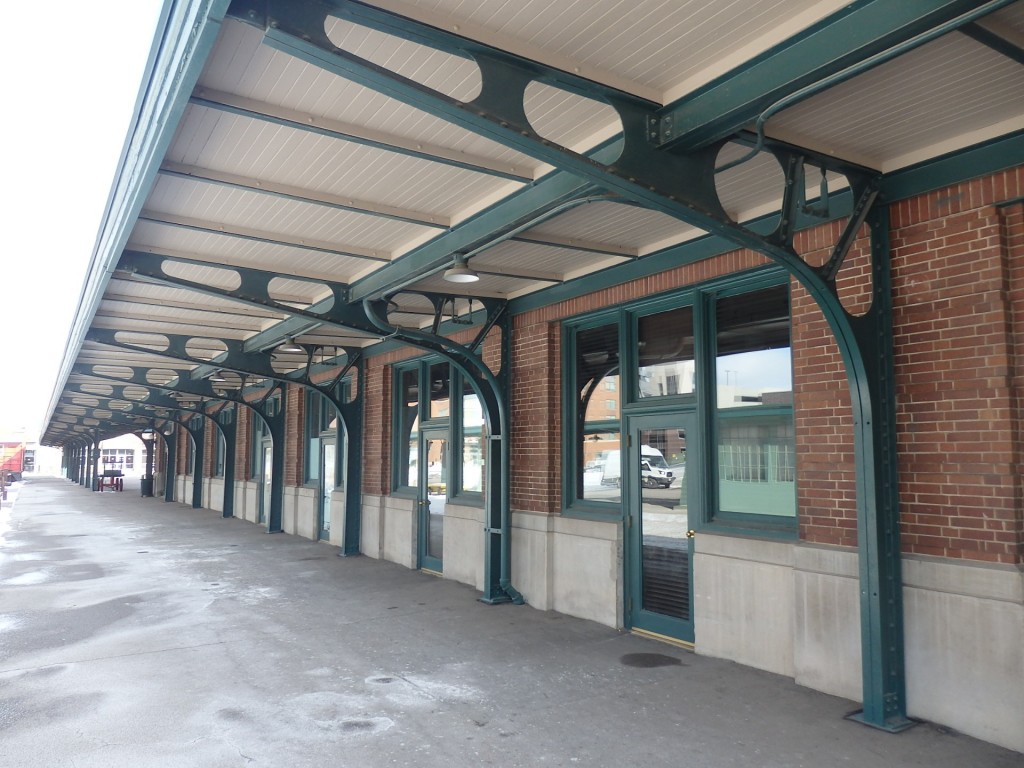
point(294, 434)
point(958, 415)
point(209, 447)
point(181, 465)
point(958, 407)
point(823, 419)
point(243, 433)
point(1013, 238)
point(377, 425)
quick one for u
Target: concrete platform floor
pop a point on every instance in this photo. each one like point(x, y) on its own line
point(135, 632)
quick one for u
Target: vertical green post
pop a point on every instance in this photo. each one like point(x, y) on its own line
point(198, 435)
point(171, 465)
point(229, 428)
point(878, 531)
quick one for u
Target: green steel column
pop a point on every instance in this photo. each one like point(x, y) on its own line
point(198, 435)
point(351, 432)
point(277, 435)
point(230, 432)
point(94, 460)
point(878, 525)
point(171, 465)
point(498, 529)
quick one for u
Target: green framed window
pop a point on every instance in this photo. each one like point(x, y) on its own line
point(258, 433)
point(220, 448)
point(754, 432)
point(407, 409)
point(593, 400)
point(197, 424)
point(224, 417)
point(316, 406)
point(431, 394)
point(321, 423)
point(473, 428)
point(720, 350)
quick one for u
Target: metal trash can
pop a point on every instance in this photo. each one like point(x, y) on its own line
point(147, 486)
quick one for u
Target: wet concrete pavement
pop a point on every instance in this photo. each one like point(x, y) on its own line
point(135, 632)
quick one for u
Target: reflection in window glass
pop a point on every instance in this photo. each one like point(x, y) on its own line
point(665, 353)
point(218, 457)
point(314, 406)
point(598, 452)
point(757, 465)
point(409, 401)
point(601, 472)
point(440, 390)
point(756, 444)
point(474, 441)
point(753, 362)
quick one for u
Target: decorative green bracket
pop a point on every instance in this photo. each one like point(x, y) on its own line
point(492, 389)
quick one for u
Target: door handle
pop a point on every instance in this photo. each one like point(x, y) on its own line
point(691, 533)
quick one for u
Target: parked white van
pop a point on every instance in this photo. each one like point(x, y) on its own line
point(654, 471)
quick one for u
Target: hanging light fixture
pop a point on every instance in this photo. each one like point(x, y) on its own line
point(217, 377)
point(289, 346)
point(459, 271)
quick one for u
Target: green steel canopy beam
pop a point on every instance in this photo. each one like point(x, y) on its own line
point(575, 244)
point(999, 38)
point(863, 29)
point(681, 186)
point(254, 290)
point(530, 206)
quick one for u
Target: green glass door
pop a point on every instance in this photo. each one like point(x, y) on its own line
point(266, 476)
point(660, 516)
point(432, 500)
point(327, 473)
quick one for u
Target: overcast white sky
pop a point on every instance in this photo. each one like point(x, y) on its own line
point(72, 71)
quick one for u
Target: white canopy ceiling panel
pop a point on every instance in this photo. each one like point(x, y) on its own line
point(219, 330)
point(656, 49)
point(253, 210)
point(140, 293)
point(489, 286)
point(943, 96)
point(453, 76)
point(278, 79)
point(626, 227)
point(279, 165)
point(533, 259)
point(221, 141)
point(1010, 18)
point(199, 316)
point(233, 251)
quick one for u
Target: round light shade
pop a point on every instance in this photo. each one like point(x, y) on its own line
point(459, 272)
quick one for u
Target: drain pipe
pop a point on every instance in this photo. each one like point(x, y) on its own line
point(855, 69)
